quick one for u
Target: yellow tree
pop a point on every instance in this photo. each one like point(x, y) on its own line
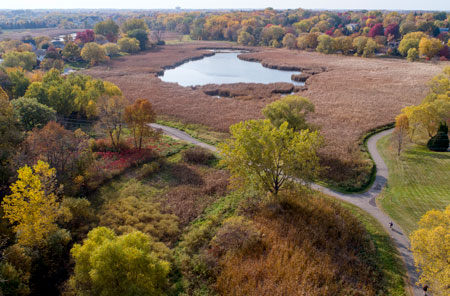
point(429, 47)
point(401, 130)
point(33, 206)
point(430, 245)
point(268, 157)
point(138, 116)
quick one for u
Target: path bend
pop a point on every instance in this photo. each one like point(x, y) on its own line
point(365, 200)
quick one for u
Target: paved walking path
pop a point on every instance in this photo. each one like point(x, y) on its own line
point(365, 201)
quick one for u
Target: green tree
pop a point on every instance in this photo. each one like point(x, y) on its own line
point(370, 48)
point(19, 82)
point(413, 55)
point(33, 207)
point(266, 157)
point(141, 36)
point(359, 43)
point(26, 60)
point(32, 114)
point(38, 91)
point(129, 45)
point(326, 44)
point(111, 49)
point(291, 109)
point(107, 28)
point(71, 51)
point(134, 24)
point(93, 53)
point(128, 265)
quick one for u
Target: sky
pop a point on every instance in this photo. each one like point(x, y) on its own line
point(236, 4)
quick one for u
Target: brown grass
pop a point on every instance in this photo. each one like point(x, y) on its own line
point(192, 189)
point(354, 95)
point(310, 247)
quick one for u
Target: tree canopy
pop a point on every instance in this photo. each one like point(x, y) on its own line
point(130, 264)
point(270, 157)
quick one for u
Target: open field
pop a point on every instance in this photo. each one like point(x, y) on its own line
point(418, 182)
point(351, 97)
point(51, 32)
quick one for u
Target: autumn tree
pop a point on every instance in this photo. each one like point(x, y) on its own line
point(308, 41)
point(110, 111)
point(401, 131)
point(85, 36)
point(111, 49)
point(246, 38)
point(429, 47)
point(33, 205)
point(410, 40)
point(261, 155)
point(291, 109)
point(19, 81)
point(130, 264)
point(57, 146)
point(32, 114)
point(138, 117)
point(11, 136)
point(107, 28)
point(289, 41)
point(429, 244)
point(93, 53)
point(376, 30)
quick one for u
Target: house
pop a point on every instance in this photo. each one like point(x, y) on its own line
point(443, 30)
point(40, 54)
point(58, 44)
point(394, 44)
point(353, 27)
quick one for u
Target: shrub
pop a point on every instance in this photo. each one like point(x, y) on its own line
point(128, 45)
point(198, 155)
point(440, 141)
point(310, 244)
point(149, 169)
point(133, 213)
point(111, 49)
point(413, 55)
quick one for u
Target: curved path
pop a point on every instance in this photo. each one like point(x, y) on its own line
point(365, 201)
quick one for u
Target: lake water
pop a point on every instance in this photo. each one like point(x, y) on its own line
point(225, 68)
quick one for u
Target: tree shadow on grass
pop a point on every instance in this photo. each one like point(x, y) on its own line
point(430, 154)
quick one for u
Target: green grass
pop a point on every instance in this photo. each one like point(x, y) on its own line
point(197, 131)
point(386, 257)
point(184, 39)
point(419, 181)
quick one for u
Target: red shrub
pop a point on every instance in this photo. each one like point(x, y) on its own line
point(392, 29)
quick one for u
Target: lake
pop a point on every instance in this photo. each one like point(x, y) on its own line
point(225, 68)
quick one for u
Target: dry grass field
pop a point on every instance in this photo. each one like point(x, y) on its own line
point(351, 97)
point(50, 32)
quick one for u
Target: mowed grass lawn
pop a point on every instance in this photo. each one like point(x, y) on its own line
point(419, 181)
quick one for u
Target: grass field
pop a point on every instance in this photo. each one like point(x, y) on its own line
point(418, 181)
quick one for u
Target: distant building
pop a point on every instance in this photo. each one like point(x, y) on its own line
point(443, 30)
point(40, 54)
point(354, 27)
point(58, 44)
point(393, 44)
